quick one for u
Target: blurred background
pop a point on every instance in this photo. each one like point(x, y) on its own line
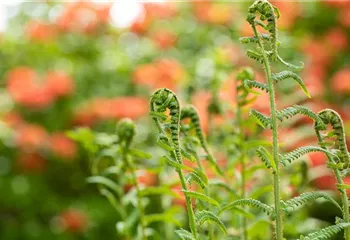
point(89, 63)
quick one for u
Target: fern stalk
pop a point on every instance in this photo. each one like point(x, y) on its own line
point(343, 194)
point(242, 161)
point(276, 177)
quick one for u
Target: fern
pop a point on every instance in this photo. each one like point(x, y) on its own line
point(197, 179)
point(201, 196)
point(304, 198)
point(262, 120)
point(184, 234)
point(296, 109)
point(246, 40)
point(326, 233)
point(299, 152)
point(266, 158)
point(207, 216)
point(277, 77)
point(255, 56)
point(248, 202)
point(254, 84)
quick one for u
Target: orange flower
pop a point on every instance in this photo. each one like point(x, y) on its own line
point(146, 74)
point(337, 39)
point(160, 10)
point(290, 11)
point(326, 182)
point(73, 220)
point(163, 39)
point(40, 31)
point(317, 159)
point(215, 13)
point(141, 24)
point(344, 14)
point(63, 146)
point(130, 107)
point(24, 88)
point(161, 73)
point(341, 81)
point(31, 163)
point(145, 178)
point(30, 137)
point(59, 83)
point(83, 17)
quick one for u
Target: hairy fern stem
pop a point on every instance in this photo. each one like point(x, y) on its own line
point(276, 176)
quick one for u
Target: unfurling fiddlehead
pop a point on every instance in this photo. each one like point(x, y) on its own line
point(267, 51)
point(191, 113)
point(161, 101)
point(341, 163)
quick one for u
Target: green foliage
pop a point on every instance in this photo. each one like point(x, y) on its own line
point(304, 198)
point(249, 202)
point(206, 216)
point(326, 233)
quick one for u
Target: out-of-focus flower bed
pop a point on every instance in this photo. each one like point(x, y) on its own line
point(65, 65)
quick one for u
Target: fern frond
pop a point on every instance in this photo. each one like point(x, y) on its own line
point(207, 216)
point(277, 77)
point(184, 234)
point(246, 40)
point(296, 109)
point(299, 152)
point(291, 66)
point(326, 233)
point(304, 198)
point(201, 196)
point(248, 202)
point(266, 157)
point(255, 56)
point(248, 84)
point(177, 165)
point(194, 177)
point(261, 119)
point(331, 117)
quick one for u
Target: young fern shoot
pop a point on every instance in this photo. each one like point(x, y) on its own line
point(339, 161)
point(266, 53)
point(169, 139)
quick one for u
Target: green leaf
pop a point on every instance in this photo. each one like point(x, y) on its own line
point(207, 216)
point(188, 155)
point(248, 202)
point(326, 233)
point(157, 191)
point(277, 77)
point(193, 176)
point(140, 154)
point(304, 198)
point(201, 196)
point(299, 152)
point(266, 158)
point(177, 165)
point(184, 234)
point(105, 182)
point(262, 120)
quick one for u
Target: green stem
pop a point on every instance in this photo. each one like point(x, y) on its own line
point(276, 177)
point(191, 217)
point(343, 194)
point(242, 161)
point(140, 208)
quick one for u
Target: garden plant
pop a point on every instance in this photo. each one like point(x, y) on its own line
point(167, 129)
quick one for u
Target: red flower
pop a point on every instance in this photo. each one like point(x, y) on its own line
point(337, 39)
point(30, 137)
point(59, 83)
point(214, 13)
point(40, 31)
point(73, 220)
point(31, 163)
point(341, 81)
point(63, 146)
